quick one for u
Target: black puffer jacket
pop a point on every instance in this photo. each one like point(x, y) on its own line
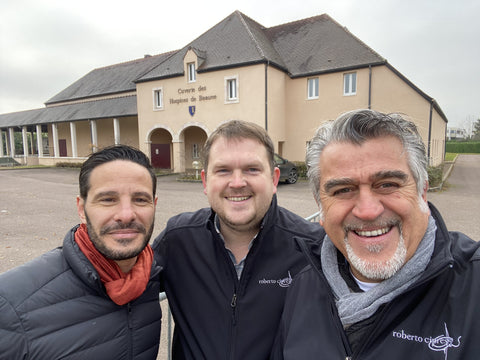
point(217, 316)
point(436, 319)
point(56, 307)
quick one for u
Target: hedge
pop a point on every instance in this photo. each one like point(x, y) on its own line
point(463, 147)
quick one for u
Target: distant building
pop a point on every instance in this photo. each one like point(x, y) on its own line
point(288, 78)
point(455, 133)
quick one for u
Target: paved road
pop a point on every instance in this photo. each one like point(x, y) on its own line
point(459, 202)
point(37, 207)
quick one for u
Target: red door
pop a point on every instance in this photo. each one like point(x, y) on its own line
point(62, 147)
point(161, 156)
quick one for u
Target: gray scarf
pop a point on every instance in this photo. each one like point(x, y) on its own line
point(354, 307)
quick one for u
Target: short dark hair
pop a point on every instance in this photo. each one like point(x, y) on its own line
point(112, 153)
point(238, 129)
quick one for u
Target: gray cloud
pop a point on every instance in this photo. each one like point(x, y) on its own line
point(45, 45)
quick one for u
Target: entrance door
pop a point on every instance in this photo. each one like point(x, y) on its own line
point(161, 156)
point(62, 147)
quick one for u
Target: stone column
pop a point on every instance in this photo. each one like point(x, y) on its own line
point(39, 141)
point(93, 132)
point(11, 137)
point(56, 150)
point(116, 131)
point(73, 137)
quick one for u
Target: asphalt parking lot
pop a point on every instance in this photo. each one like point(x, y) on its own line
point(38, 207)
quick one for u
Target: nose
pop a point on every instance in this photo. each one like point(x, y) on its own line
point(125, 212)
point(367, 206)
point(237, 179)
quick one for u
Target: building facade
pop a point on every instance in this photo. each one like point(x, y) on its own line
point(288, 79)
point(455, 133)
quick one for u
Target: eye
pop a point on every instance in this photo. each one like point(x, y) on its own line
point(253, 170)
point(388, 186)
point(107, 200)
point(342, 191)
point(142, 200)
point(222, 171)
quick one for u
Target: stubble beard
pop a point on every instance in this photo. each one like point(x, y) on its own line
point(117, 255)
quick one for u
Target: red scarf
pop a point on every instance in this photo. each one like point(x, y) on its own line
point(122, 288)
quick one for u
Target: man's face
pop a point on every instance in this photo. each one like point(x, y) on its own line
point(119, 210)
point(371, 205)
point(239, 183)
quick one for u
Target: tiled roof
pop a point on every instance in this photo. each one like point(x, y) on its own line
point(301, 48)
point(234, 41)
point(107, 80)
point(319, 44)
point(91, 110)
point(314, 45)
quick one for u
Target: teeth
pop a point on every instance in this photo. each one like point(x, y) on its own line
point(237, 198)
point(373, 232)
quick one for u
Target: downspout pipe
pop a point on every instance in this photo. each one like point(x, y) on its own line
point(266, 96)
point(430, 129)
point(369, 87)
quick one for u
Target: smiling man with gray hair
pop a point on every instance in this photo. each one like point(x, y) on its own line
point(388, 280)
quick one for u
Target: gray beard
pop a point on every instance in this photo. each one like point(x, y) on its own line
point(378, 270)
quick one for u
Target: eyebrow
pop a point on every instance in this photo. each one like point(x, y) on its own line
point(387, 174)
point(330, 184)
point(105, 193)
point(114, 193)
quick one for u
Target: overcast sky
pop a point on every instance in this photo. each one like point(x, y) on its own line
point(46, 45)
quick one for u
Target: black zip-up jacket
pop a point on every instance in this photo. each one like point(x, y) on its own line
point(217, 316)
point(438, 318)
point(56, 307)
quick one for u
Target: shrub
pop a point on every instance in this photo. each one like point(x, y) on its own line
point(435, 175)
point(463, 147)
point(69, 165)
point(301, 169)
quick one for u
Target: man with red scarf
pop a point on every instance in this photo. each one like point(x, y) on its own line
point(96, 297)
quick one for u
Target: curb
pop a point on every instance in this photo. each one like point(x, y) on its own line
point(450, 165)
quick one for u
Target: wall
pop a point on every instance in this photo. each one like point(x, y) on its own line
point(207, 94)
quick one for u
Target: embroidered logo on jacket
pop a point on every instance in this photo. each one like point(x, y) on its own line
point(285, 282)
point(439, 343)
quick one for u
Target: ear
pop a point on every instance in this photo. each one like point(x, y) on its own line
point(155, 201)
point(81, 209)
point(276, 178)
point(425, 190)
point(204, 181)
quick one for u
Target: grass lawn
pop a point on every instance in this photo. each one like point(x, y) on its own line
point(450, 156)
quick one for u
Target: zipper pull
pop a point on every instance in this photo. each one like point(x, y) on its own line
point(234, 301)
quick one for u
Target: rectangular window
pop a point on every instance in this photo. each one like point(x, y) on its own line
point(350, 84)
point(196, 151)
point(192, 76)
point(231, 89)
point(313, 88)
point(158, 99)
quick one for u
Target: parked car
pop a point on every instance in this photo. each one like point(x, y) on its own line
point(288, 170)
